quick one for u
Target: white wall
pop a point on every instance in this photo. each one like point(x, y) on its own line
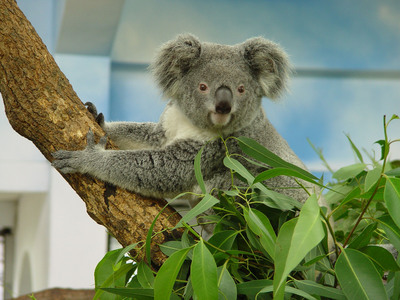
point(77, 243)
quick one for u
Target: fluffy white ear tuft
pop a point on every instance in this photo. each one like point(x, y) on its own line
point(269, 64)
point(175, 58)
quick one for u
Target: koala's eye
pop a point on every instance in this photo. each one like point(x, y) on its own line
point(241, 89)
point(203, 87)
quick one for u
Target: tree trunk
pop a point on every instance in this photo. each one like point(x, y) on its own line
point(42, 106)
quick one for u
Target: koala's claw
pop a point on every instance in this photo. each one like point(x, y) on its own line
point(93, 110)
point(91, 144)
point(65, 161)
point(77, 161)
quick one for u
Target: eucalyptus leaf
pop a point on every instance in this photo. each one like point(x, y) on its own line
point(392, 198)
point(355, 149)
point(226, 284)
point(391, 230)
point(106, 275)
point(288, 290)
point(393, 172)
point(170, 247)
point(384, 148)
point(349, 171)
point(145, 275)
point(295, 240)
point(261, 226)
point(279, 201)
point(252, 287)
point(136, 293)
point(166, 276)
point(358, 277)
point(206, 203)
point(197, 171)
point(283, 244)
point(203, 272)
point(268, 174)
point(364, 238)
point(372, 178)
point(313, 288)
point(222, 240)
point(381, 257)
point(259, 152)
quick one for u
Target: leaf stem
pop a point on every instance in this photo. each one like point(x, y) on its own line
point(386, 153)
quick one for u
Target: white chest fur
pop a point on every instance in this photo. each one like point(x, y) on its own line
point(177, 127)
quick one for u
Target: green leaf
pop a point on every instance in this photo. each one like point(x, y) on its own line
point(124, 251)
point(106, 275)
point(358, 277)
point(206, 203)
point(150, 233)
point(145, 275)
point(356, 192)
point(349, 171)
point(295, 240)
point(279, 201)
point(283, 244)
point(393, 172)
point(381, 257)
point(372, 178)
point(130, 292)
point(226, 284)
point(314, 288)
point(392, 198)
point(363, 239)
point(170, 247)
point(288, 290)
point(285, 172)
point(394, 117)
point(355, 149)
point(261, 226)
point(115, 279)
point(197, 171)
point(251, 288)
point(384, 148)
point(259, 152)
point(203, 272)
point(393, 286)
point(166, 276)
point(391, 230)
point(236, 166)
point(222, 240)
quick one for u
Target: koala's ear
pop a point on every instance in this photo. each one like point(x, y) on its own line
point(269, 64)
point(175, 58)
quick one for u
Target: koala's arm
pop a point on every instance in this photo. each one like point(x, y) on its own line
point(132, 135)
point(159, 173)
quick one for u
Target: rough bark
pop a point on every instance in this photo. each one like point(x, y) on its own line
point(42, 106)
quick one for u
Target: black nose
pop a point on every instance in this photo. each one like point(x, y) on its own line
point(223, 97)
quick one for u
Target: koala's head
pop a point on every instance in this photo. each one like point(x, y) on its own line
point(219, 87)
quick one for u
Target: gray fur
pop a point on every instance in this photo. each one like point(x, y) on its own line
point(156, 159)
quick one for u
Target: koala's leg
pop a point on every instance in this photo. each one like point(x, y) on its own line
point(132, 135)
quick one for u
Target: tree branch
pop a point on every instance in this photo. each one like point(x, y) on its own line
point(42, 106)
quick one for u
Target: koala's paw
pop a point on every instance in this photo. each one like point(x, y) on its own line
point(93, 110)
point(79, 161)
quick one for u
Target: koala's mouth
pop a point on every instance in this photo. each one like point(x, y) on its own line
point(219, 119)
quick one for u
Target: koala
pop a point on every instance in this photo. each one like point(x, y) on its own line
point(214, 91)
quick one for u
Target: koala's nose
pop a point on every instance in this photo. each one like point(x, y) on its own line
point(223, 105)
